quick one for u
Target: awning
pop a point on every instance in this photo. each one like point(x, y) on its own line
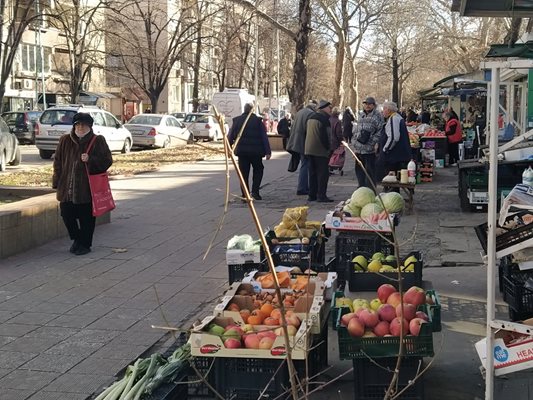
point(522, 50)
point(98, 95)
point(493, 8)
point(133, 94)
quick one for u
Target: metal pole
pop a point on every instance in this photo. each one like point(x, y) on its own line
point(277, 68)
point(256, 60)
point(491, 234)
point(41, 53)
point(36, 72)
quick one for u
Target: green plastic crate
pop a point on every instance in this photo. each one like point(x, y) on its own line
point(379, 347)
point(478, 179)
point(434, 311)
point(335, 310)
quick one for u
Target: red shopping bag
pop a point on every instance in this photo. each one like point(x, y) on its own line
point(102, 198)
point(337, 158)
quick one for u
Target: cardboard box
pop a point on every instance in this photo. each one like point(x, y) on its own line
point(307, 307)
point(508, 357)
point(316, 285)
point(236, 257)
point(330, 283)
point(334, 221)
point(204, 344)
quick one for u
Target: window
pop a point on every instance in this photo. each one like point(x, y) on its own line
point(170, 122)
point(110, 120)
point(57, 117)
point(31, 58)
point(98, 119)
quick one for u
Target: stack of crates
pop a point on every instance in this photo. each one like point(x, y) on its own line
point(426, 171)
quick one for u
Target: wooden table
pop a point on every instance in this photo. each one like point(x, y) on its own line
point(408, 188)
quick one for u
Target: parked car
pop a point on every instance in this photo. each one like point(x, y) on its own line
point(9, 147)
point(180, 116)
point(22, 124)
point(157, 130)
point(57, 121)
point(203, 126)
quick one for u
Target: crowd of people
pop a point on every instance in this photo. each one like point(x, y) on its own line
point(315, 136)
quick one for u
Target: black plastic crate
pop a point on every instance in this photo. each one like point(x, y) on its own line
point(371, 381)
point(519, 298)
point(347, 242)
point(237, 271)
point(370, 281)
point(245, 378)
point(196, 387)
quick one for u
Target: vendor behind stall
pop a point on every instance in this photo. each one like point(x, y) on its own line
point(454, 134)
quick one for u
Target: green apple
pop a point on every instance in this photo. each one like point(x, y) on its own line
point(374, 266)
point(378, 256)
point(375, 304)
point(216, 330)
point(409, 260)
point(390, 259)
point(359, 263)
point(360, 303)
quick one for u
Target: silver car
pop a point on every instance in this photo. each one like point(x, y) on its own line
point(203, 126)
point(157, 130)
point(9, 147)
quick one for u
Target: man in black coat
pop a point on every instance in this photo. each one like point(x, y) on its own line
point(284, 129)
point(252, 146)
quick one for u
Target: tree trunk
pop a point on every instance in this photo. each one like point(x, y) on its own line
point(395, 94)
point(352, 98)
point(340, 59)
point(299, 78)
point(196, 69)
point(512, 33)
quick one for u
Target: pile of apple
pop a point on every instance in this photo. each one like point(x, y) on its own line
point(384, 316)
point(266, 310)
point(236, 337)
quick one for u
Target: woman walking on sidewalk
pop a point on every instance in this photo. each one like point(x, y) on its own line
point(72, 183)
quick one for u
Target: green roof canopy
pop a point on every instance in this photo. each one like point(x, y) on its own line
point(493, 8)
point(522, 50)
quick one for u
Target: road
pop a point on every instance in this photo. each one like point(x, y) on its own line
point(30, 159)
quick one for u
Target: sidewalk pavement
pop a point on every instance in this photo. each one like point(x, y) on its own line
point(69, 323)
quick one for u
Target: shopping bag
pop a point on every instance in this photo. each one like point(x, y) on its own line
point(101, 193)
point(102, 198)
point(293, 162)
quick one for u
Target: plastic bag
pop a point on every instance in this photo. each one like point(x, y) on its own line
point(240, 242)
point(520, 198)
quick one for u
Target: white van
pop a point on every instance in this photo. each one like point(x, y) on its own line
point(231, 102)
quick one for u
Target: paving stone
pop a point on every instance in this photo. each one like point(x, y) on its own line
point(14, 394)
point(4, 371)
point(92, 310)
point(75, 347)
point(6, 339)
point(7, 315)
point(53, 332)
point(72, 321)
point(27, 380)
point(42, 395)
point(8, 329)
point(146, 338)
point(100, 366)
point(77, 383)
point(12, 360)
point(51, 307)
point(30, 344)
point(127, 313)
point(113, 324)
point(52, 362)
point(94, 335)
point(115, 350)
point(32, 318)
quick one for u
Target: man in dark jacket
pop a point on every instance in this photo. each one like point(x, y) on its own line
point(395, 150)
point(252, 146)
point(284, 129)
point(296, 144)
point(348, 118)
point(318, 151)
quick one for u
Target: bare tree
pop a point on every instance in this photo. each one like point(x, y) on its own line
point(17, 16)
point(80, 24)
point(149, 37)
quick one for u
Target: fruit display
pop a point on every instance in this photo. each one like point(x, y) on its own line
point(414, 140)
point(366, 205)
point(385, 315)
point(381, 263)
point(434, 133)
point(294, 224)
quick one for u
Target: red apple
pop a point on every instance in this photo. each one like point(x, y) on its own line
point(394, 299)
point(356, 328)
point(346, 318)
point(293, 320)
point(382, 328)
point(386, 312)
point(369, 318)
point(232, 343)
point(369, 334)
point(415, 325)
point(251, 341)
point(422, 315)
point(384, 291)
point(415, 296)
point(291, 330)
point(266, 333)
point(409, 311)
point(236, 328)
point(266, 343)
point(397, 324)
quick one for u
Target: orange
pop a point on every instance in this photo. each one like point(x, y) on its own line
point(271, 321)
point(267, 309)
point(255, 320)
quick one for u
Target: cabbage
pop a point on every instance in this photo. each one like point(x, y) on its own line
point(240, 242)
point(352, 209)
point(371, 209)
point(393, 202)
point(377, 200)
point(362, 196)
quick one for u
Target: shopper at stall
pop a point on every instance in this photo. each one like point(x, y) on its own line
point(348, 118)
point(412, 116)
point(284, 129)
point(318, 151)
point(395, 150)
point(72, 161)
point(366, 140)
point(336, 128)
point(251, 148)
point(296, 145)
point(454, 134)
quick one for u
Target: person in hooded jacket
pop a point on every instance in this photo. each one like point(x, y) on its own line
point(318, 150)
point(72, 183)
point(454, 135)
point(395, 150)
